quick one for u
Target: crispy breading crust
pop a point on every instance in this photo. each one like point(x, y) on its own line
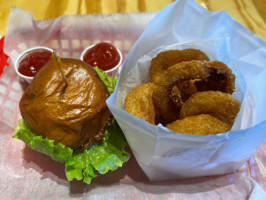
point(216, 103)
point(165, 109)
point(221, 78)
point(166, 59)
point(139, 102)
point(203, 124)
point(189, 94)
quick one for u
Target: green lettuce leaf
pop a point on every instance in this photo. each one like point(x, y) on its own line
point(110, 82)
point(103, 156)
point(58, 152)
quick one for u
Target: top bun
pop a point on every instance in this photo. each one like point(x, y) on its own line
point(73, 115)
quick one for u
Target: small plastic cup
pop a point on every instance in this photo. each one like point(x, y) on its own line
point(113, 71)
point(22, 55)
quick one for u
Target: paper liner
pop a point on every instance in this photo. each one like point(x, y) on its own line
point(27, 174)
point(164, 154)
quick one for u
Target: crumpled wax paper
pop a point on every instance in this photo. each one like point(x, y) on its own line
point(27, 174)
point(163, 154)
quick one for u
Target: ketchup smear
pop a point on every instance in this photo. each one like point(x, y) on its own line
point(102, 55)
point(33, 61)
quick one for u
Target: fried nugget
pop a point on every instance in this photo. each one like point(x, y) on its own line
point(216, 103)
point(188, 87)
point(187, 70)
point(203, 124)
point(229, 85)
point(166, 110)
point(166, 59)
point(221, 78)
point(182, 91)
point(140, 104)
point(176, 97)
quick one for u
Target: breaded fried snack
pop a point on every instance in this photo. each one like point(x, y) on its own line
point(216, 103)
point(166, 59)
point(139, 102)
point(221, 78)
point(203, 124)
point(167, 110)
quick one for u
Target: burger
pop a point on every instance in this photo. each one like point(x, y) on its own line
point(65, 116)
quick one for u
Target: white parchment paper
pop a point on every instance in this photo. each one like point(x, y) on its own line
point(27, 174)
point(163, 154)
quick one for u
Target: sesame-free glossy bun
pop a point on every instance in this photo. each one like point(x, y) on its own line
point(73, 115)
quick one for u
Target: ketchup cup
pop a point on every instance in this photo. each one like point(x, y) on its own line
point(28, 55)
point(103, 53)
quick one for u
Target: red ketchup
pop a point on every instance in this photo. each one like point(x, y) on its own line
point(33, 61)
point(103, 55)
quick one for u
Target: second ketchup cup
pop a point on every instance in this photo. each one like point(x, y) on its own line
point(103, 55)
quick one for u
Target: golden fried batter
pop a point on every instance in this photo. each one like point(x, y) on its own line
point(187, 87)
point(190, 94)
point(176, 97)
point(166, 110)
point(139, 102)
point(220, 78)
point(203, 124)
point(216, 103)
point(166, 59)
point(229, 85)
